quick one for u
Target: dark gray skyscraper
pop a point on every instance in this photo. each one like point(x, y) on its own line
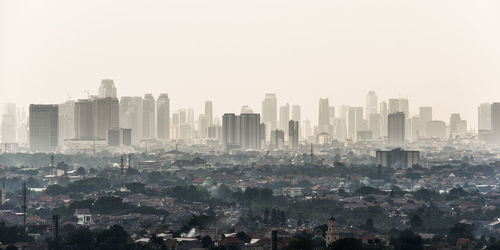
point(323, 115)
point(270, 111)
point(293, 134)
point(250, 131)
point(43, 127)
point(229, 130)
point(396, 128)
point(148, 117)
point(163, 119)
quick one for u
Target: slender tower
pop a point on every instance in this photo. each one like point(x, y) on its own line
point(55, 226)
point(312, 154)
point(121, 164)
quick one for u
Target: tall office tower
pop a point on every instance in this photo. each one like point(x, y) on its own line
point(43, 127)
point(404, 106)
point(484, 117)
point(374, 123)
point(277, 139)
point(355, 122)
point(209, 112)
point(190, 116)
point(293, 134)
point(175, 125)
point(84, 119)
point(182, 116)
point(371, 104)
point(202, 126)
point(163, 117)
point(340, 129)
point(9, 123)
point(383, 118)
point(250, 131)
point(245, 109)
point(396, 128)
point(284, 118)
point(323, 115)
point(229, 130)
point(148, 117)
point(308, 132)
point(107, 112)
point(393, 106)
point(296, 113)
point(107, 89)
point(270, 111)
point(454, 122)
point(495, 117)
point(66, 121)
point(331, 115)
point(131, 116)
point(262, 131)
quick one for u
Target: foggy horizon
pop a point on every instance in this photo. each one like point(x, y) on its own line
point(433, 53)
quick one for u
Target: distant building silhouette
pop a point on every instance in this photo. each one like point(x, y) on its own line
point(148, 117)
point(163, 117)
point(396, 128)
point(107, 89)
point(43, 127)
point(397, 158)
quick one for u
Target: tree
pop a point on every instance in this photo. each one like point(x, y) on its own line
point(407, 240)
point(244, 237)
point(80, 238)
point(300, 244)
point(416, 222)
point(80, 171)
point(112, 238)
point(54, 190)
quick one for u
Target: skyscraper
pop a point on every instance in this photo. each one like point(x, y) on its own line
point(250, 131)
point(296, 113)
point(383, 118)
point(396, 128)
point(355, 122)
point(229, 130)
point(293, 133)
point(209, 112)
point(495, 118)
point(393, 106)
point(371, 104)
point(84, 119)
point(484, 117)
point(66, 121)
point(106, 111)
point(163, 118)
point(131, 116)
point(148, 117)
point(284, 118)
point(270, 111)
point(323, 115)
point(43, 127)
point(9, 123)
point(454, 123)
point(107, 89)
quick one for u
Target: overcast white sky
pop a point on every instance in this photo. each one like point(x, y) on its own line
point(435, 52)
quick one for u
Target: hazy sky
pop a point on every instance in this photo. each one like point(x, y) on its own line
point(440, 53)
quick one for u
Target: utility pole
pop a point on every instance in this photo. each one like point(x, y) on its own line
point(312, 162)
point(24, 204)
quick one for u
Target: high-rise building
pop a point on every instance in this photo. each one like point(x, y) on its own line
point(9, 123)
point(245, 109)
point(374, 123)
point(495, 117)
point(202, 126)
point(229, 130)
point(277, 139)
point(43, 127)
point(397, 158)
point(284, 118)
point(293, 134)
point(426, 114)
point(107, 89)
point(148, 117)
point(250, 131)
point(454, 123)
point(270, 111)
point(323, 116)
point(436, 129)
point(84, 119)
point(484, 117)
point(355, 121)
point(163, 118)
point(393, 106)
point(383, 118)
point(209, 112)
point(190, 116)
point(66, 121)
point(107, 112)
point(371, 104)
point(396, 128)
point(131, 116)
point(296, 113)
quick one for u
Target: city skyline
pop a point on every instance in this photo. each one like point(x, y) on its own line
point(232, 53)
